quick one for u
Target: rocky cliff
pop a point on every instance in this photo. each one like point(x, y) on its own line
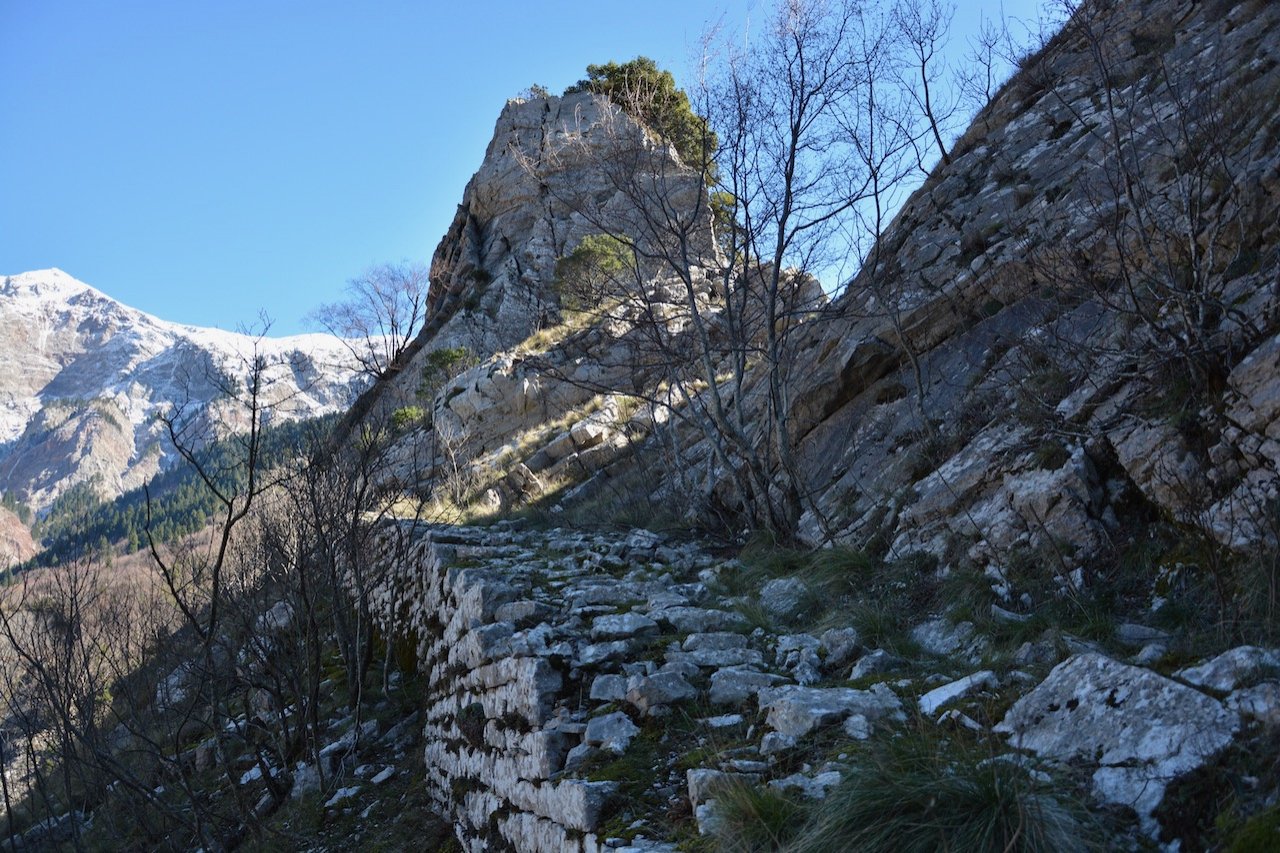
point(1071, 322)
point(82, 377)
point(1043, 381)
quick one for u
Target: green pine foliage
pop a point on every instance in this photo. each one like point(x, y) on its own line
point(586, 276)
point(17, 507)
point(650, 95)
point(79, 521)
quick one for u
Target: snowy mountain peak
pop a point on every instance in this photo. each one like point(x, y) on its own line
point(82, 377)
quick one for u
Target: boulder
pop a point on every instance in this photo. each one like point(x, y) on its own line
point(875, 663)
point(622, 626)
point(734, 685)
point(939, 696)
point(939, 637)
point(609, 688)
point(784, 598)
point(841, 646)
point(648, 692)
point(812, 787)
point(1139, 729)
point(692, 620)
point(1260, 702)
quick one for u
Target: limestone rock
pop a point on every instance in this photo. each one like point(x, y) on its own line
point(939, 696)
point(1133, 634)
point(609, 688)
point(1260, 702)
point(813, 787)
point(1228, 670)
point(648, 692)
point(875, 662)
point(795, 711)
point(1139, 729)
point(716, 641)
point(784, 598)
point(697, 620)
point(734, 685)
point(623, 626)
point(939, 637)
point(841, 645)
point(612, 731)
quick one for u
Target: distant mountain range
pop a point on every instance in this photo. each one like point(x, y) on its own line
point(83, 376)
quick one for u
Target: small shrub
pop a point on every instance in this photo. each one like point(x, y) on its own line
point(1050, 456)
point(651, 96)
point(1258, 834)
point(592, 271)
point(407, 417)
point(441, 366)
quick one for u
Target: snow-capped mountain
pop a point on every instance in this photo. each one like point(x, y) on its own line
point(83, 376)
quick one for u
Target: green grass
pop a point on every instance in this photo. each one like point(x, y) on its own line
point(920, 793)
point(755, 819)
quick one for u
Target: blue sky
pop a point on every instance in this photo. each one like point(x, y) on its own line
point(208, 160)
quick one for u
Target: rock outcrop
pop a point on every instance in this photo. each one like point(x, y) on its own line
point(984, 392)
point(1049, 404)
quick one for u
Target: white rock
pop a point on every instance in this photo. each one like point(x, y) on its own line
point(1140, 729)
point(612, 731)
point(341, 795)
point(795, 711)
point(622, 626)
point(647, 692)
point(874, 663)
point(939, 696)
point(841, 645)
point(813, 787)
point(939, 637)
point(1260, 702)
point(1225, 672)
point(734, 685)
point(609, 688)
point(784, 598)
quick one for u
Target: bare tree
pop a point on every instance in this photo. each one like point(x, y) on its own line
point(924, 25)
point(384, 310)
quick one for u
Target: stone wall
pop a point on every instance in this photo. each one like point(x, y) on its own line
point(503, 625)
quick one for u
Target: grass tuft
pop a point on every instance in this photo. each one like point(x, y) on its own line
point(915, 794)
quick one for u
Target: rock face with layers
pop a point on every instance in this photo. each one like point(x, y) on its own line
point(1003, 403)
point(557, 170)
point(1012, 344)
